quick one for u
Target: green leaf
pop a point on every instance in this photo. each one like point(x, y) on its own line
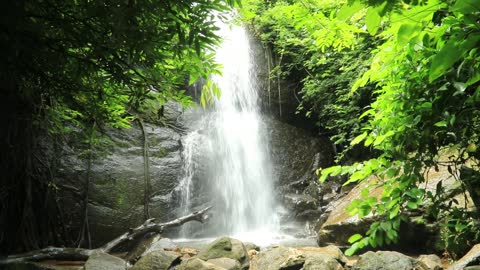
point(328, 171)
point(441, 124)
point(354, 238)
point(348, 10)
point(372, 20)
point(386, 226)
point(444, 60)
point(466, 6)
point(406, 32)
point(394, 212)
point(350, 251)
point(359, 138)
point(426, 106)
point(412, 205)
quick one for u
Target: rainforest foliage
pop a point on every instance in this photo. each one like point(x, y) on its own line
point(400, 78)
point(77, 67)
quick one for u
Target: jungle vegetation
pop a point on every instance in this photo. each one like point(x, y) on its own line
point(400, 79)
point(69, 70)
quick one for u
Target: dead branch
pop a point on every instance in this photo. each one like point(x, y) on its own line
point(83, 254)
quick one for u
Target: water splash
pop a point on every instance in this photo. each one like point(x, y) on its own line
point(238, 178)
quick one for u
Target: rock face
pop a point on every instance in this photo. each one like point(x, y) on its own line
point(296, 155)
point(116, 190)
point(279, 97)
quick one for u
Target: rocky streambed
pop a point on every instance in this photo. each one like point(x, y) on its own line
point(226, 253)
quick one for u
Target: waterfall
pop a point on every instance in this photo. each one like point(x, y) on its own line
point(238, 178)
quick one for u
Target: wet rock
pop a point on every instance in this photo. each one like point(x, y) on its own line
point(157, 260)
point(472, 258)
point(104, 261)
point(198, 264)
point(386, 260)
point(431, 261)
point(416, 234)
point(226, 247)
point(117, 180)
point(226, 263)
point(296, 153)
point(300, 203)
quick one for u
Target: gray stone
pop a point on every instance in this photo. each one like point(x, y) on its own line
point(228, 248)
point(103, 261)
point(385, 260)
point(197, 264)
point(272, 258)
point(157, 260)
point(472, 258)
point(226, 263)
point(300, 203)
point(431, 261)
point(305, 258)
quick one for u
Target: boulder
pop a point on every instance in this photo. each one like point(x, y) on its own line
point(431, 261)
point(387, 260)
point(226, 247)
point(226, 263)
point(197, 264)
point(306, 258)
point(103, 261)
point(416, 235)
point(472, 258)
point(340, 225)
point(157, 260)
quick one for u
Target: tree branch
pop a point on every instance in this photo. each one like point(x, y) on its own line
point(83, 254)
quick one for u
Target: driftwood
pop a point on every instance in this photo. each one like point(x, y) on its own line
point(149, 226)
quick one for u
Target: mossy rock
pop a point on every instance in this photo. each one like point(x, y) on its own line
point(226, 247)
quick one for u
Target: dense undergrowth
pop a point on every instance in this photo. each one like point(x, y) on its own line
point(399, 78)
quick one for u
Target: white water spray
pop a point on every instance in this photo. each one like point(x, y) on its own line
point(239, 177)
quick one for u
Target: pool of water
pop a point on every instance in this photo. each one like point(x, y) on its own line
point(261, 239)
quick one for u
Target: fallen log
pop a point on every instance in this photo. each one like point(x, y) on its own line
point(150, 226)
point(57, 253)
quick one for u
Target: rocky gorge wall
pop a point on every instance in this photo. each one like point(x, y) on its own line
point(116, 190)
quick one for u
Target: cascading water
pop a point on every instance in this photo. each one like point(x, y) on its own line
point(238, 178)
